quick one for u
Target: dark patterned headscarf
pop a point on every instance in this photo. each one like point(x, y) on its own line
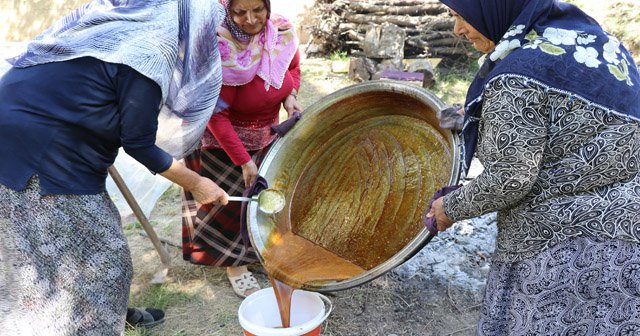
point(554, 43)
point(238, 33)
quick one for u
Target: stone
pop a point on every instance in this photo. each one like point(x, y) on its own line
point(418, 64)
point(361, 69)
point(424, 66)
point(394, 64)
point(340, 66)
point(384, 41)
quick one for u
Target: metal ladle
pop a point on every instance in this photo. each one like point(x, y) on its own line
point(270, 201)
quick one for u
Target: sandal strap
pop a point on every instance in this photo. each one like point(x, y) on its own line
point(244, 281)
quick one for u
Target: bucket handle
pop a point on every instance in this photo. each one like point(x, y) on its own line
point(327, 303)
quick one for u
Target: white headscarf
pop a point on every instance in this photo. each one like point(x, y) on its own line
point(172, 42)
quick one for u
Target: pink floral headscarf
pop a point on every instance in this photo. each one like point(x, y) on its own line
point(267, 54)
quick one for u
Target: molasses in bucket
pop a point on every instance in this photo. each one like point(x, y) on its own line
point(258, 314)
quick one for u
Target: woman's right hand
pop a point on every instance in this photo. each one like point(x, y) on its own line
point(208, 192)
point(249, 173)
point(291, 105)
point(204, 190)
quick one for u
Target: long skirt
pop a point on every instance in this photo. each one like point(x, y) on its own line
point(65, 267)
point(583, 286)
point(211, 234)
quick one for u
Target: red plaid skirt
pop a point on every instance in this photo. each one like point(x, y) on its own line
point(211, 234)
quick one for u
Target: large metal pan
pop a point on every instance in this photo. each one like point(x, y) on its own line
point(358, 171)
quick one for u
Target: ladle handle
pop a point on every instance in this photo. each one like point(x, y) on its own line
point(240, 198)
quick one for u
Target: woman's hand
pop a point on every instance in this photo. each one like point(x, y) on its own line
point(452, 117)
point(437, 209)
point(208, 192)
point(249, 173)
point(291, 105)
point(204, 190)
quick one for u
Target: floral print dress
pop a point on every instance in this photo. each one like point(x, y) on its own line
point(65, 267)
point(562, 173)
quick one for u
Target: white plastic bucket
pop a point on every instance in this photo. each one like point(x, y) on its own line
point(259, 314)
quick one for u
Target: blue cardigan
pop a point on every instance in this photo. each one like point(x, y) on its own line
point(65, 121)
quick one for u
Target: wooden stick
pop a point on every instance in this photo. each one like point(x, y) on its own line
point(128, 196)
point(163, 240)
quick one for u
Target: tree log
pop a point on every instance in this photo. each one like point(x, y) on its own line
point(400, 20)
point(437, 35)
point(404, 2)
point(343, 24)
point(353, 35)
point(448, 41)
point(449, 52)
point(418, 10)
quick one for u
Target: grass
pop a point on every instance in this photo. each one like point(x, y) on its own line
point(158, 297)
point(145, 332)
point(625, 26)
point(133, 226)
point(452, 86)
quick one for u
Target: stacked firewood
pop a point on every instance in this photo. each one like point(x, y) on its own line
point(343, 25)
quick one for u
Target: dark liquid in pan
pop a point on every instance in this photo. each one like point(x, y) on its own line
point(349, 219)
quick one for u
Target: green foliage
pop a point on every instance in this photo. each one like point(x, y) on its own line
point(171, 193)
point(133, 226)
point(339, 56)
point(618, 17)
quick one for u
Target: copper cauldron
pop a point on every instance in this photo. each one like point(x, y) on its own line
point(357, 172)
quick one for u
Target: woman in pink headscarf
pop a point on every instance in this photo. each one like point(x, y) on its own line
point(261, 72)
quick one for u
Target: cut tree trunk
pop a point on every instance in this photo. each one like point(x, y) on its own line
point(428, 28)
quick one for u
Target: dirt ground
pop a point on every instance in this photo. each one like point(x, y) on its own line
point(438, 292)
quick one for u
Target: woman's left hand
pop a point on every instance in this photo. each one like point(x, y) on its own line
point(249, 173)
point(437, 209)
point(291, 105)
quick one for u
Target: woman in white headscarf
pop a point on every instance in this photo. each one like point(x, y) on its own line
point(111, 74)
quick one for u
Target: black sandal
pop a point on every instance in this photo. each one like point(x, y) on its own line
point(144, 317)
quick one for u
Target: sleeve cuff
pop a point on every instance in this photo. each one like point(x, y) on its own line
point(154, 158)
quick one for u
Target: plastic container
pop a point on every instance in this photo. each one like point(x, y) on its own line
point(259, 315)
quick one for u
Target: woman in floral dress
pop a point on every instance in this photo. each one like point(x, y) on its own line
point(554, 116)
